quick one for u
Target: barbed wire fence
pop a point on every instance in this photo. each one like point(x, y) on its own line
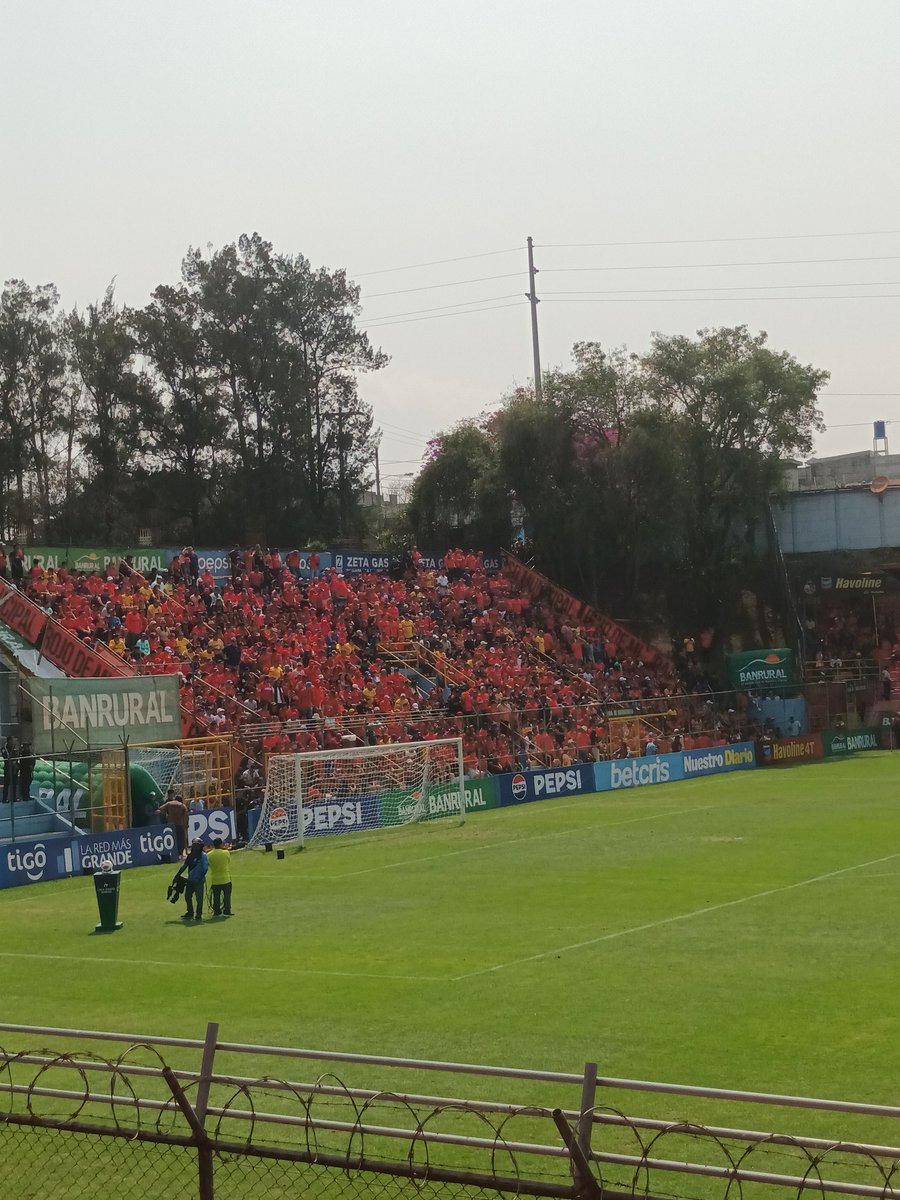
point(131, 1124)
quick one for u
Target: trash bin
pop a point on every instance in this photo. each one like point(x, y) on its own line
point(106, 885)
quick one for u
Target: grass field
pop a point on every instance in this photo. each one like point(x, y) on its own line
point(734, 931)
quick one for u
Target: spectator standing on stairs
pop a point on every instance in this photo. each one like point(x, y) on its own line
point(10, 765)
point(27, 764)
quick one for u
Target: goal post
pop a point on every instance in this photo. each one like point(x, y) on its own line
point(321, 792)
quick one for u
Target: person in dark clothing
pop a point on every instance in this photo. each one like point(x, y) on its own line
point(27, 763)
point(17, 564)
point(195, 866)
point(10, 770)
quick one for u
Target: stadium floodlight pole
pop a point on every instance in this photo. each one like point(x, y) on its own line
point(534, 302)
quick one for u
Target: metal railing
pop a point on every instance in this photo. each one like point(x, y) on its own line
point(138, 1115)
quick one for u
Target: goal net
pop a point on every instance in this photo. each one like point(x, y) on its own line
point(367, 787)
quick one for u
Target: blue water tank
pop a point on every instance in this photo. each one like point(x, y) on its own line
point(879, 430)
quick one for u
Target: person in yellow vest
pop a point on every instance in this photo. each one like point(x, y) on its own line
point(220, 879)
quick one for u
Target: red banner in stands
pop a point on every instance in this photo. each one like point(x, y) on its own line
point(20, 614)
point(57, 644)
point(540, 588)
point(75, 658)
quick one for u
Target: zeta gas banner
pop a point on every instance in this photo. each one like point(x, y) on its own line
point(844, 741)
point(103, 712)
point(760, 668)
point(525, 786)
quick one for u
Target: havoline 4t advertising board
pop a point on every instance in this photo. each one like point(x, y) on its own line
point(761, 668)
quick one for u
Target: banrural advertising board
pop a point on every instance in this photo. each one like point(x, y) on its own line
point(103, 713)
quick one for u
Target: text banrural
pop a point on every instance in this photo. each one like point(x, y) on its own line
point(106, 710)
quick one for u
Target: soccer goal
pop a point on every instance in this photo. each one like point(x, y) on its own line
point(366, 787)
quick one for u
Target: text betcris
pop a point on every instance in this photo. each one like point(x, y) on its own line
point(638, 773)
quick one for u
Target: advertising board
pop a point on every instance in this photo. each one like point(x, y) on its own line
point(837, 742)
point(525, 786)
point(739, 757)
point(761, 668)
point(103, 712)
point(211, 823)
point(779, 752)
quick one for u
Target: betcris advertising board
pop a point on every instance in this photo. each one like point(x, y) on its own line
point(526, 786)
point(637, 772)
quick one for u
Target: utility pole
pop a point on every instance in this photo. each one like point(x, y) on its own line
point(535, 346)
point(378, 473)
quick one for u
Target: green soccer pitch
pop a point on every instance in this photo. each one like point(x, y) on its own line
point(734, 931)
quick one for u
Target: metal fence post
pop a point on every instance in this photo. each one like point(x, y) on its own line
point(586, 1110)
point(204, 1150)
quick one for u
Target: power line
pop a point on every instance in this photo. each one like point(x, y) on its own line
point(746, 287)
point(862, 394)
point(443, 316)
point(775, 262)
point(723, 299)
point(438, 262)
point(775, 237)
point(443, 307)
point(430, 287)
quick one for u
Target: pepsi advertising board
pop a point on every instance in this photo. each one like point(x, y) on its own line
point(211, 823)
point(326, 817)
point(525, 786)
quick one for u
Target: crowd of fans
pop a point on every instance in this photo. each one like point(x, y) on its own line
point(288, 660)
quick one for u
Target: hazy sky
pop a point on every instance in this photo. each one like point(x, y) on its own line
point(377, 135)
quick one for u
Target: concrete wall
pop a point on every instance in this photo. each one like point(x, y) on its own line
point(813, 522)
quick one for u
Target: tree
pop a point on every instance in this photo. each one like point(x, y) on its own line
point(282, 340)
point(120, 406)
point(459, 496)
point(189, 437)
point(32, 398)
point(735, 410)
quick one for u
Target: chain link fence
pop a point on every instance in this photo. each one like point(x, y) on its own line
point(147, 1123)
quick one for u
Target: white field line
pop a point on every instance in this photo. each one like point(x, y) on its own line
point(233, 966)
point(688, 916)
point(580, 829)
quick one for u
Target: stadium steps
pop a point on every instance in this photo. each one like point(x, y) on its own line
point(29, 819)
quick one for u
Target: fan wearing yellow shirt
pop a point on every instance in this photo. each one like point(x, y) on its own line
point(220, 879)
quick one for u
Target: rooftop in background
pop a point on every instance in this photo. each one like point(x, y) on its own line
point(841, 470)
